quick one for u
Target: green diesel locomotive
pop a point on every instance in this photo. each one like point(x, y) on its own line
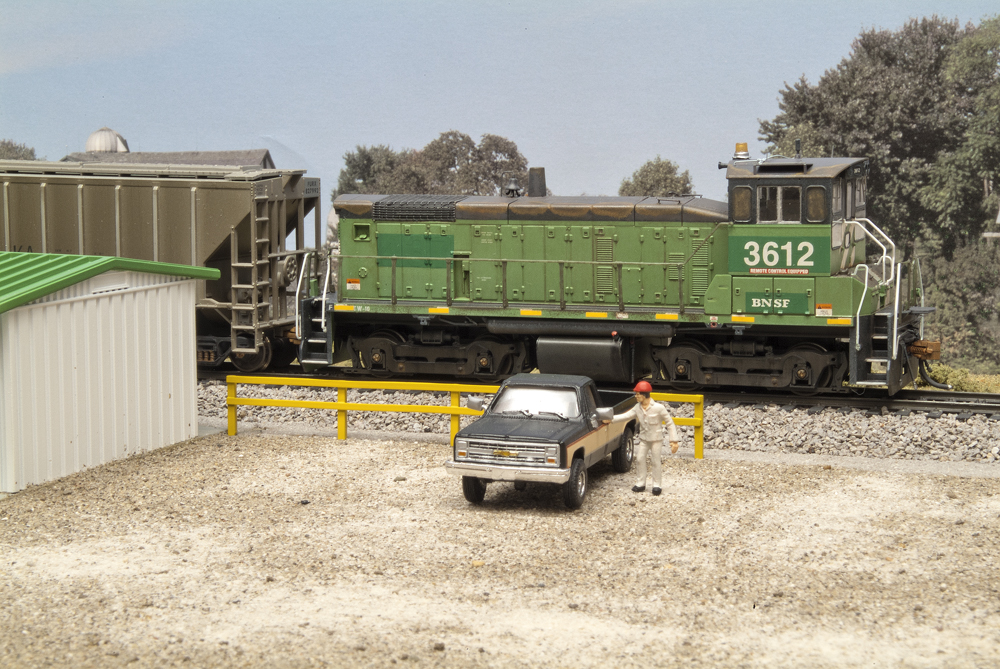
point(787, 285)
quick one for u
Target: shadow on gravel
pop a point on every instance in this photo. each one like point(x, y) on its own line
point(501, 495)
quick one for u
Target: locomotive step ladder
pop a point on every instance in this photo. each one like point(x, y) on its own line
point(876, 359)
point(315, 337)
point(250, 282)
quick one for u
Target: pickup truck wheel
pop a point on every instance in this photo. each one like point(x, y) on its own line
point(474, 489)
point(520, 486)
point(621, 457)
point(575, 489)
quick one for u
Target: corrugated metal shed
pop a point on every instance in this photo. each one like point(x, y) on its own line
point(28, 276)
point(97, 361)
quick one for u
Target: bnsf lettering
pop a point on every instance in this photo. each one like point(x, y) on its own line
point(764, 302)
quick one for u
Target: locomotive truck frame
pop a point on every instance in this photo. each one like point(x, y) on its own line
point(772, 289)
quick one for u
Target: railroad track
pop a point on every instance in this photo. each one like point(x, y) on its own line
point(933, 403)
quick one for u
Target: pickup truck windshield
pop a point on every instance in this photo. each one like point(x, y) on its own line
point(535, 401)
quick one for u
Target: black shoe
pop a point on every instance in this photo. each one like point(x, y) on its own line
point(656, 491)
point(638, 488)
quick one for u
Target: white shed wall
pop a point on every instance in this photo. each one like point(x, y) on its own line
point(99, 371)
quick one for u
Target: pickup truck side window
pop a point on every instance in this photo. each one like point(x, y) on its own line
point(537, 401)
point(589, 400)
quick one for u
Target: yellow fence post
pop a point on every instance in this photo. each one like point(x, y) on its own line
point(455, 401)
point(231, 408)
point(699, 428)
point(342, 414)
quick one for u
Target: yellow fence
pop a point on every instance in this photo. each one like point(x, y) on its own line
point(698, 420)
point(342, 406)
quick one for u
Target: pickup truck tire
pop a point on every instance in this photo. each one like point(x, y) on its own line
point(474, 489)
point(621, 457)
point(575, 489)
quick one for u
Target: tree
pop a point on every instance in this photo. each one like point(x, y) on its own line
point(451, 164)
point(966, 292)
point(657, 177)
point(10, 150)
point(960, 184)
point(891, 101)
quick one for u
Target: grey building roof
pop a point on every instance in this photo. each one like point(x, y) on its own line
point(257, 157)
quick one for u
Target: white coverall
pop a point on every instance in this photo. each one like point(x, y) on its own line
point(650, 422)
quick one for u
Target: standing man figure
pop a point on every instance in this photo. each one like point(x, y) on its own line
point(650, 417)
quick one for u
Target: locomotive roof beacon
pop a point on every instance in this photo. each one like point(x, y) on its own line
point(787, 285)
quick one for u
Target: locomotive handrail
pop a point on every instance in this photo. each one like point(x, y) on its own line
point(861, 302)
point(298, 291)
point(326, 288)
point(892, 258)
point(895, 312)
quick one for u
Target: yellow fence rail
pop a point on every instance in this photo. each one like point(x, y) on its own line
point(454, 390)
point(342, 406)
point(698, 421)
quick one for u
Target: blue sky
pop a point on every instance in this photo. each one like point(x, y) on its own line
point(589, 90)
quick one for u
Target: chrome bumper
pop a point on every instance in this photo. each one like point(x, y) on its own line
point(507, 472)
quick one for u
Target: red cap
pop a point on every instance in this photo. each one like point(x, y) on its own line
point(643, 387)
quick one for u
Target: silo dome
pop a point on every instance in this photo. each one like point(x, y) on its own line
point(106, 140)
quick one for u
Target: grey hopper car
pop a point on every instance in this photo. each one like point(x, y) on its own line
point(248, 222)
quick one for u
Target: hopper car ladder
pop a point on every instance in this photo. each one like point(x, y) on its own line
point(246, 297)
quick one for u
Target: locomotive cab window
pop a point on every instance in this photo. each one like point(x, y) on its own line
point(815, 204)
point(859, 197)
point(837, 200)
point(742, 206)
point(779, 204)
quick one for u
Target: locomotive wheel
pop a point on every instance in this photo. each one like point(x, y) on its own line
point(503, 368)
point(665, 373)
point(823, 378)
point(389, 337)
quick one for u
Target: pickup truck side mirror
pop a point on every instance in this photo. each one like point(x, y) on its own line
point(476, 403)
point(605, 413)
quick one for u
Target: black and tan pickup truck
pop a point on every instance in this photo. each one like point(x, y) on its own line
point(543, 428)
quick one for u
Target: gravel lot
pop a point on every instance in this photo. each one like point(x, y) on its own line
point(205, 554)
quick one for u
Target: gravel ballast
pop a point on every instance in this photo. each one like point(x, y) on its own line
point(302, 551)
point(772, 429)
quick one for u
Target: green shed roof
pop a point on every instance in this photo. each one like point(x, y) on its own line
point(25, 277)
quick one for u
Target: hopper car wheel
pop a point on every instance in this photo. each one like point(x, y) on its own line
point(822, 380)
point(621, 457)
point(249, 363)
point(575, 489)
point(474, 489)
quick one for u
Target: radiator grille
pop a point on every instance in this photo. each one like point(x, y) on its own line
point(699, 280)
point(505, 453)
point(605, 279)
point(416, 208)
point(605, 250)
point(673, 272)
